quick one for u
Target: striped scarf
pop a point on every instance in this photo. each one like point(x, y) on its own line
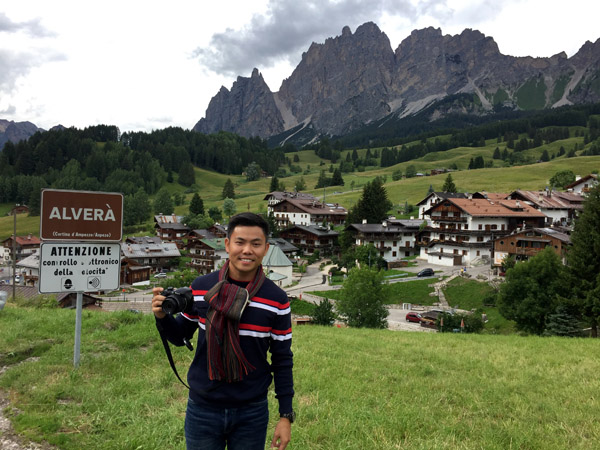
point(226, 303)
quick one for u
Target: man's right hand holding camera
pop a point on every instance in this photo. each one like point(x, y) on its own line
point(157, 300)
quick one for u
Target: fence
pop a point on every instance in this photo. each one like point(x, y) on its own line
point(142, 304)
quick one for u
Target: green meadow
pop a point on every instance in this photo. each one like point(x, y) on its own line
point(498, 178)
point(355, 388)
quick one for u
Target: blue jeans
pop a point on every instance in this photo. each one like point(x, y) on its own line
point(210, 428)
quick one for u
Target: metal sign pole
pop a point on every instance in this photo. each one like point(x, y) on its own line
point(78, 329)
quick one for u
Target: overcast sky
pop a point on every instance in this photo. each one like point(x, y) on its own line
point(144, 65)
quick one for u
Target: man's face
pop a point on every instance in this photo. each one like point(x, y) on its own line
point(246, 248)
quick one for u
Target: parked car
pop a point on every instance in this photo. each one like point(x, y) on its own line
point(17, 278)
point(413, 317)
point(428, 272)
point(160, 275)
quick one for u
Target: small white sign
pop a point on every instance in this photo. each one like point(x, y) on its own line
point(79, 267)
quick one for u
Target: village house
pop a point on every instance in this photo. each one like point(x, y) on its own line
point(433, 198)
point(25, 246)
point(287, 248)
point(462, 230)
point(311, 238)
point(582, 185)
point(149, 251)
point(170, 229)
point(394, 238)
point(277, 266)
point(19, 209)
point(207, 255)
point(133, 272)
point(295, 208)
point(523, 244)
point(560, 208)
point(29, 268)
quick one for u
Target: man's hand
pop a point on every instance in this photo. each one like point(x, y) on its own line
point(157, 303)
point(283, 434)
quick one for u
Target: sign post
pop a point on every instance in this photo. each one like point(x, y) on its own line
point(80, 250)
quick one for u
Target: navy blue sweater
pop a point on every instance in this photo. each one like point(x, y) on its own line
point(265, 326)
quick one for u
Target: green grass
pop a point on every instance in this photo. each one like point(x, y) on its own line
point(355, 388)
point(466, 294)
point(416, 292)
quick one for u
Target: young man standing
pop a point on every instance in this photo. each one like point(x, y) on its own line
point(239, 315)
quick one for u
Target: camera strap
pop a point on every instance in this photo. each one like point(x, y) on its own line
point(188, 344)
point(170, 356)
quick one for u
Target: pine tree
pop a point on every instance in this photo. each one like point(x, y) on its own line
point(274, 184)
point(163, 203)
point(187, 176)
point(228, 189)
point(373, 204)
point(323, 181)
point(561, 323)
point(449, 185)
point(584, 260)
point(196, 205)
point(337, 179)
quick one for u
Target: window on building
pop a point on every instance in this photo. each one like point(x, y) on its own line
point(480, 226)
point(394, 254)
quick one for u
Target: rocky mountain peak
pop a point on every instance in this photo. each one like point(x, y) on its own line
point(353, 79)
point(249, 109)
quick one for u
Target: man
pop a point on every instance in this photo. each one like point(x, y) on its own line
point(239, 315)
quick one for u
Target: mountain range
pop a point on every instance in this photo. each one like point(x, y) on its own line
point(356, 79)
point(15, 131)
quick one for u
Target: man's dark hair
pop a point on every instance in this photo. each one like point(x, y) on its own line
point(247, 219)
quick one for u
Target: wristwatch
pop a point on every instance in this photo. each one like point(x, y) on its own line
point(291, 416)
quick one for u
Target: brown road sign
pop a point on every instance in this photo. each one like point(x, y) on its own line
point(81, 216)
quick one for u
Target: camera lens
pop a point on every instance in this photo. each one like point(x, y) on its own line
point(180, 300)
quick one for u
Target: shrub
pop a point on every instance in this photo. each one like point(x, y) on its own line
point(323, 313)
point(472, 322)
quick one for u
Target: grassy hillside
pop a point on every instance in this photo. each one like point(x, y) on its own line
point(499, 178)
point(355, 389)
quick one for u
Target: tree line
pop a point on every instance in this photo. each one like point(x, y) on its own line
point(100, 158)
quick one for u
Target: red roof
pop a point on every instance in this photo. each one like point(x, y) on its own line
point(25, 241)
point(481, 207)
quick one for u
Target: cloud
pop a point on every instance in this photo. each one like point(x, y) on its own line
point(17, 64)
point(289, 26)
point(9, 111)
point(32, 27)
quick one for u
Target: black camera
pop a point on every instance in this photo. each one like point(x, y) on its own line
point(177, 300)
